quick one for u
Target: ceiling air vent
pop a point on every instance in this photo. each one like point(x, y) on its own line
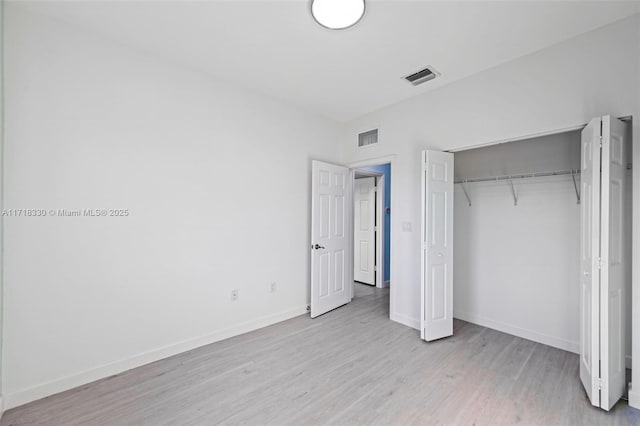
point(368, 138)
point(422, 76)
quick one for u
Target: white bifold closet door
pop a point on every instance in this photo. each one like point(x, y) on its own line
point(330, 237)
point(602, 258)
point(437, 245)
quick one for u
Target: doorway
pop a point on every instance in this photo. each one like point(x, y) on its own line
point(332, 237)
point(372, 225)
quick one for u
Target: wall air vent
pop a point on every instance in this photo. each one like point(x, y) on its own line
point(368, 138)
point(424, 75)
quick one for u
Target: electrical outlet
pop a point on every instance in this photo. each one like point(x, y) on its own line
point(273, 287)
point(234, 295)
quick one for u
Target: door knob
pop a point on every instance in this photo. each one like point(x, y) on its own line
point(318, 246)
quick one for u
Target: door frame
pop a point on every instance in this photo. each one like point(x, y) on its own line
point(625, 118)
point(388, 159)
point(380, 232)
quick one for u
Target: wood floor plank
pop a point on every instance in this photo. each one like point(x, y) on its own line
point(351, 366)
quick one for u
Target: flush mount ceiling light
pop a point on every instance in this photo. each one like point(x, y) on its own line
point(337, 14)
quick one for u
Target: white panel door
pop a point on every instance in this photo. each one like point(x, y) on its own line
point(613, 273)
point(602, 261)
point(589, 259)
point(330, 237)
point(437, 245)
point(364, 245)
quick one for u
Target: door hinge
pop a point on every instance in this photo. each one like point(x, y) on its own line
point(599, 263)
point(599, 384)
point(601, 139)
point(375, 229)
point(375, 267)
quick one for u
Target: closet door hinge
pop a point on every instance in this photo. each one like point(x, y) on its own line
point(600, 384)
point(599, 263)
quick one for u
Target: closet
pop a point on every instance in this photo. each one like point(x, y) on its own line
point(541, 245)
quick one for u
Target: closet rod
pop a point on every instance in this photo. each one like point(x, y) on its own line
point(521, 176)
point(572, 172)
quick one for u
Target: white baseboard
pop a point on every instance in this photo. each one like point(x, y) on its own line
point(404, 320)
point(70, 382)
point(553, 341)
point(1, 407)
point(556, 342)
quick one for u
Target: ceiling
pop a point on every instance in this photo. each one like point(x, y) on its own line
point(276, 48)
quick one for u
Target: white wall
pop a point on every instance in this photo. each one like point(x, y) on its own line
point(517, 267)
point(216, 181)
point(557, 88)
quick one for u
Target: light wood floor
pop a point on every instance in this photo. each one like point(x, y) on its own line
point(350, 366)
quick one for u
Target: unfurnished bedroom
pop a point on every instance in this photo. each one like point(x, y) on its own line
point(319, 212)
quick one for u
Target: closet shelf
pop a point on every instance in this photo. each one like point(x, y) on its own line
point(511, 178)
point(523, 176)
point(519, 176)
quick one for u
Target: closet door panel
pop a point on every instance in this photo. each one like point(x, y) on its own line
point(589, 258)
point(613, 272)
point(437, 246)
